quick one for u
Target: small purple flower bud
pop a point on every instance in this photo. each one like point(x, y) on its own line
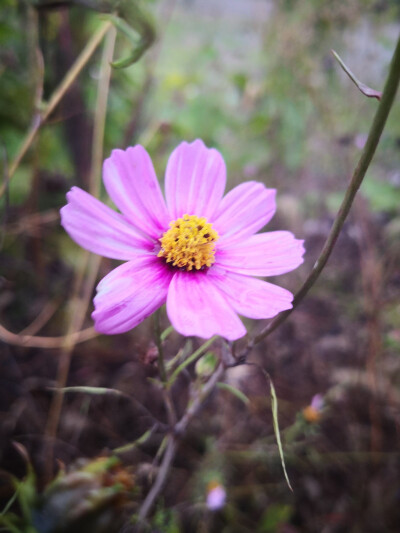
point(216, 496)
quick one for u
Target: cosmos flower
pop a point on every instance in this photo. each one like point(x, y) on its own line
point(197, 251)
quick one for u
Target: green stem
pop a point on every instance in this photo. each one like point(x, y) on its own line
point(101, 112)
point(169, 404)
point(172, 441)
point(161, 364)
point(191, 359)
point(375, 132)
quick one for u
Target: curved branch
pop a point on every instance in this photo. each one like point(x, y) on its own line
point(375, 132)
point(33, 341)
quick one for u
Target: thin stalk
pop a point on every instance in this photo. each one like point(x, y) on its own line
point(58, 94)
point(101, 111)
point(191, 359)
point(35, 341)
point(161, 365)
point(138, 442)
point(169, 404)
point(160, 479)
point(91, 263)
point(375, 132)
point(173, 440)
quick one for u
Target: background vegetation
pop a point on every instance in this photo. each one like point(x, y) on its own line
point(257, 80)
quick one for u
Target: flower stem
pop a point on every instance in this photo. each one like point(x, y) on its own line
point(169, 404)
point(169, 456)
point(58, 94)
point(173, 440)
point(375, 132)
point(191, 359)
point(160, 359)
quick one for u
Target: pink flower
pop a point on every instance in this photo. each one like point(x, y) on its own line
point(196, 251)
point(216, 496)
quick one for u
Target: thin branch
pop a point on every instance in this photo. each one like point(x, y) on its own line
point(161, 478)
point(367, 91)
point(31, 341)
point(168, 401)
point(172, 444)
point(31, 223)
point(190, 359)
point(375, 132)
point(91, 263)
point(58, 94)
point(101, 111)
point(42, 318)
point(199, 399)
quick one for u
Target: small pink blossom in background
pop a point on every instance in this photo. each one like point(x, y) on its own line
point(317, 402)
point(202, 301)
point(312, 413)
point(360, 140)
point(216, 496)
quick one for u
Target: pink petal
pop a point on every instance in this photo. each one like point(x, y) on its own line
point(243, 212)
point(251, 297)
point(99, 229)
point(195, 180)
point(264, 254)
point(196, 307)
point(129, 294)
point(132, 185)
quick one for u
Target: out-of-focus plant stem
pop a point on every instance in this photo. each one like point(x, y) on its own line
point(375, 132)
point(200, 395)
point(35, 341)
point(101, 112)
point(189, 360)
point(58, 94)
point(169, 404)
point(91, 263)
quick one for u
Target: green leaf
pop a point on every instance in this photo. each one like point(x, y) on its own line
point(195, 355)
point(91, 390)
point(206, 365)
point(9, 504)
point(165, 334)
point(275, 515)
point(367, 91)
point(233, 390)
point(9, 521)
point(382, 196)
point(274, 404)
point(132, 445)
point(140, 26)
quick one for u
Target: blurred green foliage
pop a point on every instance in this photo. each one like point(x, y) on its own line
point(267, 93)
point(87, 498)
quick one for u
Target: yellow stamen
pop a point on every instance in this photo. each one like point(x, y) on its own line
point(189, 243)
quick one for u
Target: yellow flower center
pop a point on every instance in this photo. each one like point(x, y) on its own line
point(189, 243)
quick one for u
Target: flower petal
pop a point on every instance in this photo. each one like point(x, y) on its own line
point(264, 254)
point(249, 296)
point(194, 180)
point(243, 212)
point(132, 185)
point(129, 294)
point(196, 307)
point(99, 229)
